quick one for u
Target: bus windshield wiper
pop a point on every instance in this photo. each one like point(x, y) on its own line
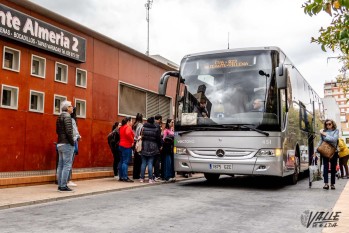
point(200, 129)
point(246, 126)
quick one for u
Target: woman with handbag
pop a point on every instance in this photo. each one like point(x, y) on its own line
point(329, 138)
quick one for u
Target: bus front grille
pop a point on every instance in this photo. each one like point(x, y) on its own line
point(228, 153)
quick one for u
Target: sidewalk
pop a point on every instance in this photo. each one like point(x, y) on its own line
point(29, 195)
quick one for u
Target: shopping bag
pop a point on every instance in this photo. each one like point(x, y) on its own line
point(314, 173)
point(138, 146)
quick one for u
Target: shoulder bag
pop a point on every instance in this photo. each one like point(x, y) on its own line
point(326, 150)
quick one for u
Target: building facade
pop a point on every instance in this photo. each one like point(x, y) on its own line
point(334, 89)
point(46, 59)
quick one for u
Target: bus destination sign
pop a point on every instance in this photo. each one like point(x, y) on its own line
point(230, 63)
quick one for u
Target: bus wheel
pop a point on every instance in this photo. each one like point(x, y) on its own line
point(211, 177)
point(293, 179)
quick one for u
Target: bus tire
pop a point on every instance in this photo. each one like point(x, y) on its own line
point(211, 177)
point(293, 179)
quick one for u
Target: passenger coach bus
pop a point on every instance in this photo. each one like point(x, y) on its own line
point(232, 137)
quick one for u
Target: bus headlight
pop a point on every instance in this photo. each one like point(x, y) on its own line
point(269, 152)
point(180, 150)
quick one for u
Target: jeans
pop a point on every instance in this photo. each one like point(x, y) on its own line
point(65, 153)
point(156, 163)
point(343, 162)
point(147, 160)
point(137, 163)
point(168, 167)
point(116, 156)
point(333, 162)
point(126, 154)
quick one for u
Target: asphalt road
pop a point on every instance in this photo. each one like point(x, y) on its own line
point(240, 204)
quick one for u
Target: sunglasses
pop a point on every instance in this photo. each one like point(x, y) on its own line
point(328, 123)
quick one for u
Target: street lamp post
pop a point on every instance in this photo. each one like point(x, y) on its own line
point(147, 7)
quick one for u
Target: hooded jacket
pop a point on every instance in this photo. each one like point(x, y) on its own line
point(343, 149)
point(151, 140)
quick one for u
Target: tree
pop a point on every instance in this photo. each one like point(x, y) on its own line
point(335, 36)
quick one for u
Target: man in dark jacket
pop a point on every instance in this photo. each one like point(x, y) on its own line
point(158, 174)
point(65, 145)
point(151, 142)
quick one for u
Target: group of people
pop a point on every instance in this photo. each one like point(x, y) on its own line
point(151, 146)
point(330, 134)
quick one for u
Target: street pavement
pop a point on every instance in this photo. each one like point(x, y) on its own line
point(29, 195)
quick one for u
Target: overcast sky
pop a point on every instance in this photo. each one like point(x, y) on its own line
point(180, 27)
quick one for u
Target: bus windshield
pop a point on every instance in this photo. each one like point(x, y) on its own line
point(236, 88)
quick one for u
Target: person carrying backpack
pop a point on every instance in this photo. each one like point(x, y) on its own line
point(113, 142)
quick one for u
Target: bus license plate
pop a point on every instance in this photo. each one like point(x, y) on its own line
point(221, 166)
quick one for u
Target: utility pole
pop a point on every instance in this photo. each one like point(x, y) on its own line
point(147, 7)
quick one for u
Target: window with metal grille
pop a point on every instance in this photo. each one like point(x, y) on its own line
point(135, 100)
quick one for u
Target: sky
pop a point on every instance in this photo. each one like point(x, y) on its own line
point(180, 27)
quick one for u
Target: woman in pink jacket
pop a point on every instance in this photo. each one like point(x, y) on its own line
point(125, 147)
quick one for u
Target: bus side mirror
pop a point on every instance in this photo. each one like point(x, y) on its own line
point(281, 77)
point(164, 79)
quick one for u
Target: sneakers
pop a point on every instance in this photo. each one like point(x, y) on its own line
point(151, 181)
point(65, 189)
point(71, 183)
point(170, 180)
point(128, 180)
point(157, 179)
point(141, 180)
point(116, 177)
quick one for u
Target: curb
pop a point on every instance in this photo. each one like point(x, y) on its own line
point(72, 195)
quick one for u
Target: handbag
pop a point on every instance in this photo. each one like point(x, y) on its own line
point(138, 146)
point(326, 150)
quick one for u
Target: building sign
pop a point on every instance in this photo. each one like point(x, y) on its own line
point(29, 30)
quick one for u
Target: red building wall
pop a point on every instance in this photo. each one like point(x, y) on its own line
point(27, 138)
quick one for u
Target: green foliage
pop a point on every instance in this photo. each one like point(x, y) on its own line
point(335, 36)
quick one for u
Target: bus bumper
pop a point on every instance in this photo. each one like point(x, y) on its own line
point(265, 166)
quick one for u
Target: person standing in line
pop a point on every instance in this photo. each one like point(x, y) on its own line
point(113, 142)
point(125, 147)
point(343, 154)
point(167, 151)
point(65, 145)
point(137, 161)
point(157, 159)
point(329, 134)
point(76, 137)
point(151, 142)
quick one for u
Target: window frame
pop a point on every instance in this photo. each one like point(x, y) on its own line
point(42, 61)
point(85, 108)
point(16, 56)
point(85, 77)
point(62, 98)
point(41, 99)
point(62, 65)
point(12, 88)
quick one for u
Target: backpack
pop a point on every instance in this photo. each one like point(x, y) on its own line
point(113, 139)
